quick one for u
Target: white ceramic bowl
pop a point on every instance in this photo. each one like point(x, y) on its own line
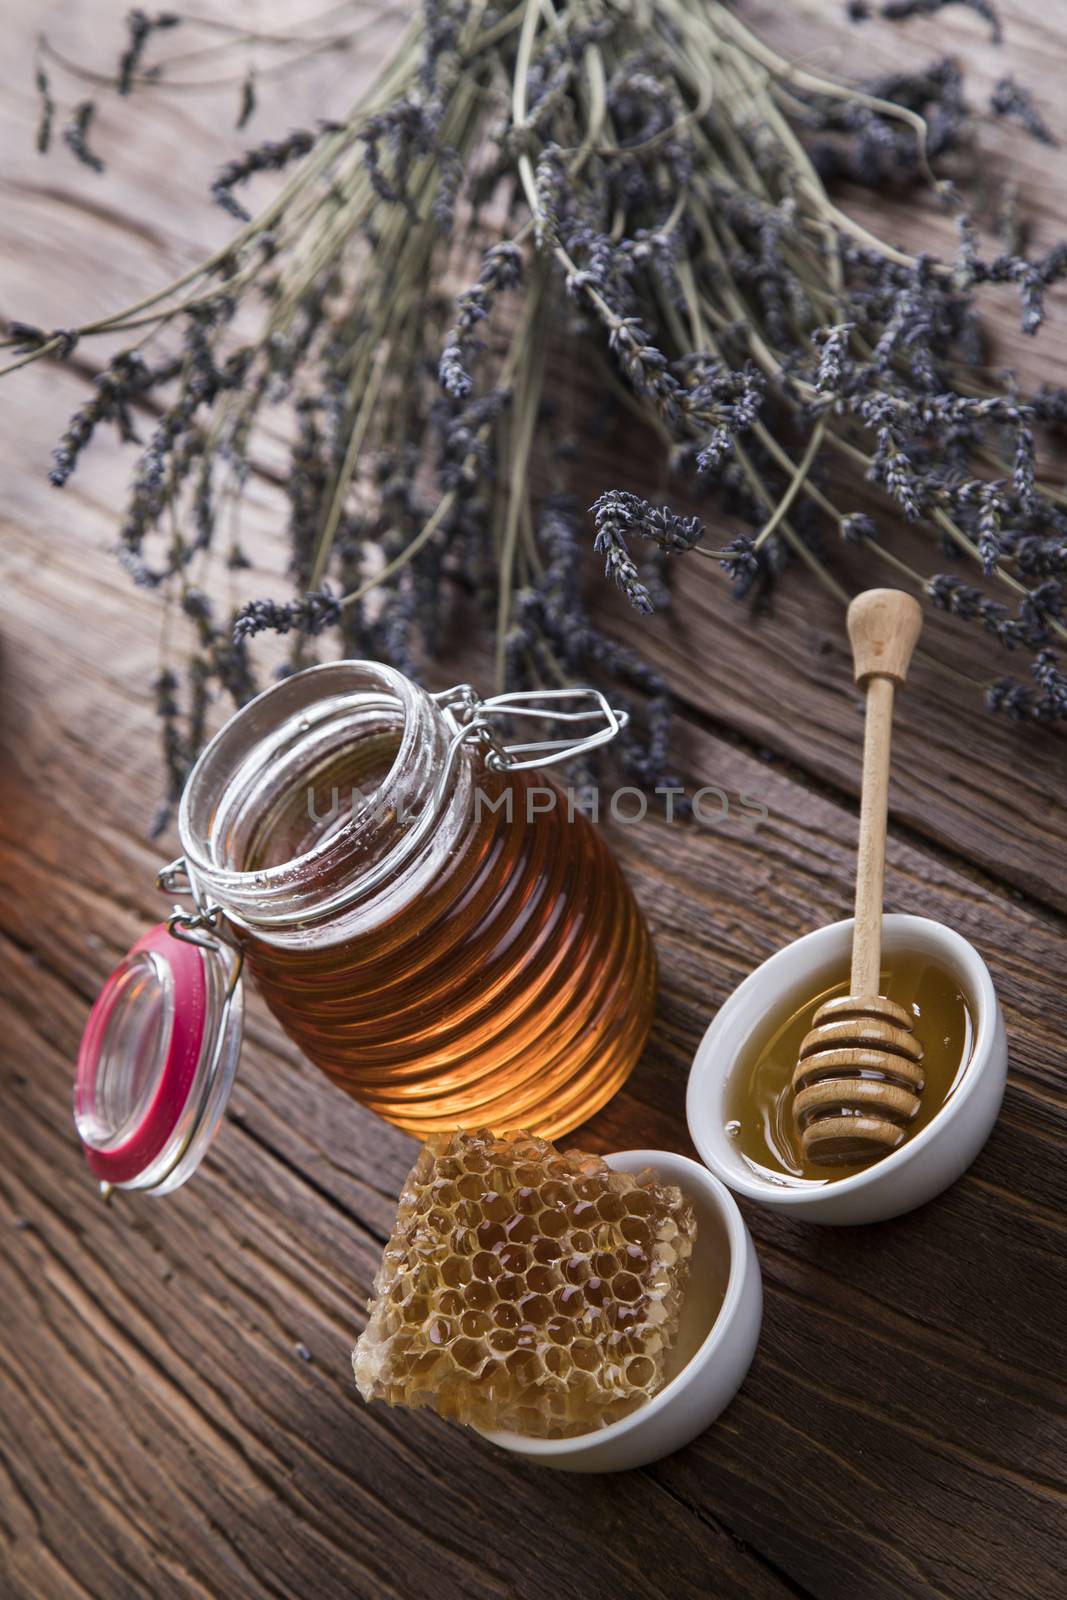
point(921, 1167)
point(711, 1354)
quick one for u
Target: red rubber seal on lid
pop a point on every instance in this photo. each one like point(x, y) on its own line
point(122, 1162)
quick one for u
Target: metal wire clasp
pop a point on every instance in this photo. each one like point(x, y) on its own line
point(474, 719)
point(201, 926)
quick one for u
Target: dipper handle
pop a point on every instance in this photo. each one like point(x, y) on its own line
point(883, 625)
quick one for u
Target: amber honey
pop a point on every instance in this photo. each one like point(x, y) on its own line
point(513, 988)
point(758, 1101)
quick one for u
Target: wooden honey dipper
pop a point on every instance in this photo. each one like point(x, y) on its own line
point(858, 1081)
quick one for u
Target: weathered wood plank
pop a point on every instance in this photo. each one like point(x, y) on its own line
point(902, 1431)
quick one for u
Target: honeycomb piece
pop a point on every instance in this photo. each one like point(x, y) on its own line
point(525, 1289)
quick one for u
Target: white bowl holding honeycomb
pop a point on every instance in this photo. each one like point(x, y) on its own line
point(711, 1352)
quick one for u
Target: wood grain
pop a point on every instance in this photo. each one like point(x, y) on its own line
point(177, 1416)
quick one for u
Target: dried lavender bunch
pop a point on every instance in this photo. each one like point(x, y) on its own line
point(658, 185)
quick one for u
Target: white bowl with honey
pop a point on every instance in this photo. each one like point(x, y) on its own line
point(739, 1102)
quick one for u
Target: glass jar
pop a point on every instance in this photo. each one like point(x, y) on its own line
point(437, 926)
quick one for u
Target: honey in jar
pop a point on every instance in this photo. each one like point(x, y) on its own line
point(428, 916)
point(758, 1100)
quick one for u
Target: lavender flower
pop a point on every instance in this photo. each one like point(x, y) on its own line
point(140, 27)
point(270, 156)
point(311, 614)
point(117, 388)
point(857, 527)
point(47, 112)
point(450, 166)
point(901, 10)
point(76, 136)
point(833, 357)
point(1022, 703)
point(1010, 99)
point(550, 182)
point(620, 516)
point(247, 108)
point(501, 270)
point(741, 563)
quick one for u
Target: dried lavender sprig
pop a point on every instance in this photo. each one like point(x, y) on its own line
point(1023, 703)
point(620, 516)
point(140, 27)
point(630, 514)
point(452, 175)
point(501, 270)
point(901, 10)
point(76, 136)
point(552, 621)
point(1011, 99)
point(118, 387)
point(247, 108)
point(405, 131)
point(857, 527)
point(742, 563)
point(271, 156)
point(833, 356)
point(61, 341)
point(620, 568)
point(47, 112)
point(175, 747)
point(310, 614)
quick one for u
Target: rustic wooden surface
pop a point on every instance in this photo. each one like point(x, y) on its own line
point(177, 1415)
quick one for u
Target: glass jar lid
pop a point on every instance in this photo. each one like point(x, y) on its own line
point(157, 1060)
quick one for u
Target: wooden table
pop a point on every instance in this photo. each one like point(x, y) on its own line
point(177, 1412)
